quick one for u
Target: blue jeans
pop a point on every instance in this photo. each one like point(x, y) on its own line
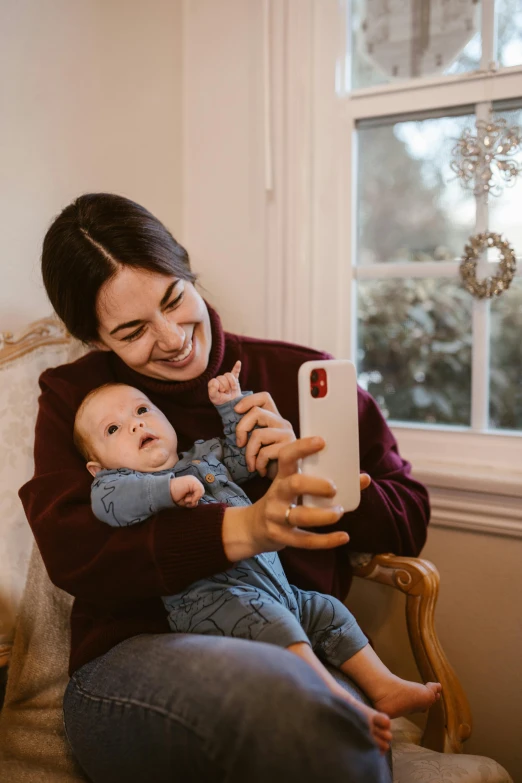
point(201, 709)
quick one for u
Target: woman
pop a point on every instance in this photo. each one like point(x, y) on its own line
point(144, 704)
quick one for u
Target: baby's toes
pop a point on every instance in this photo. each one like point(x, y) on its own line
point(381, 732)
point(383, 742)
point(381, 720)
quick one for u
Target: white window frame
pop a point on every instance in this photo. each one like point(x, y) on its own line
point(477, 458)
point(309, 126)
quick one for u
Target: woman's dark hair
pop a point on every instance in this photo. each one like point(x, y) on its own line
point(86, 245)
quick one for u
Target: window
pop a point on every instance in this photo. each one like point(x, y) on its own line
point(421, 73)
point(394, 39)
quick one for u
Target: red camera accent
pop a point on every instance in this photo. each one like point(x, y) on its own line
point(318, 383)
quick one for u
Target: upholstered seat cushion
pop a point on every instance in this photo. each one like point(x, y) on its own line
point(412, 763)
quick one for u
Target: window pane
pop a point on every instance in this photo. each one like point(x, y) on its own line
point(414, 348)
point(411, 205)
point(408, 39)
point(506, 359)
point(509, 32)
point(504, 210)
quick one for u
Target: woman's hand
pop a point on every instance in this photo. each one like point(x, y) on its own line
point(264, 444)
point(267, 527)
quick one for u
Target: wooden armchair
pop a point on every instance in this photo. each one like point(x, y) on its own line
point(449, 720)
point(5, 650)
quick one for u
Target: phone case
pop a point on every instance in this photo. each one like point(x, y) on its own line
point(335, 418)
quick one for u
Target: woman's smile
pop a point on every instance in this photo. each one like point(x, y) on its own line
point(183, 357)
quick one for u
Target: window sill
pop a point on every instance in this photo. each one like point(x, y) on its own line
point(477, 478)
point(458, 459)
point(474, 479)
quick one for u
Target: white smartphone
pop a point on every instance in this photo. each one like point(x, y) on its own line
point(328, 407)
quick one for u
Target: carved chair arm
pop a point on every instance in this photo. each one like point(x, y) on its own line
point(449, 720)
point(5, 652)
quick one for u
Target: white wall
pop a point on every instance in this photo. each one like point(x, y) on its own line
point(91, 100)
point(223, 195)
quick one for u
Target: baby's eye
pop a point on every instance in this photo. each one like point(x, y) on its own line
point(142, 409)
point(112, 429)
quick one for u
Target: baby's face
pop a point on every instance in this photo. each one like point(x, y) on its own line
point(125, 430)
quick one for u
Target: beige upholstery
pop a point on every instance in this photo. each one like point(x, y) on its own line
point(33, 747)
point(32, 743)
point(19, 373)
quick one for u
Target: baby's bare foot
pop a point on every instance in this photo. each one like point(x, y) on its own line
point(379, 723)
point(404, 697)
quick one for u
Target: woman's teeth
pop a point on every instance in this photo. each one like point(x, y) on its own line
point(183, 355)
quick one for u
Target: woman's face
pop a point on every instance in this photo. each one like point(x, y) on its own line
point(158, 325)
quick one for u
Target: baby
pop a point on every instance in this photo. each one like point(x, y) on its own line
point(131, 450)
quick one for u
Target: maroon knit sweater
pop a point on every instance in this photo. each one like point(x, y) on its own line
point(117, 576)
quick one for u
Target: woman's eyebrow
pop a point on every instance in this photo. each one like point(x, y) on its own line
point(168, 292)
point(125, 326)
point(164, 300)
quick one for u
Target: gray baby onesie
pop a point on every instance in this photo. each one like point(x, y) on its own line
point(251, 600)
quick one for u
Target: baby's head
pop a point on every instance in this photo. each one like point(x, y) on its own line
point(117, 426)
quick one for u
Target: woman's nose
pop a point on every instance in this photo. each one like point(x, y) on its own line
point(170, 336)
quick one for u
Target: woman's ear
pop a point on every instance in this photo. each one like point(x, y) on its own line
point(93, 467)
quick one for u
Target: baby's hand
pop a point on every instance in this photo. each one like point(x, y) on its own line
point(225, 387)
point(186, 491)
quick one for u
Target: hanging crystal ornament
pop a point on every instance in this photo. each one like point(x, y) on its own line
point(485, 161)
point(489, 286)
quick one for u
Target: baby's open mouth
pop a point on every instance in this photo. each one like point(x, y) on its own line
point(146, 439)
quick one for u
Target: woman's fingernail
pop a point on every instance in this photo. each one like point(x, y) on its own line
point(340, 510)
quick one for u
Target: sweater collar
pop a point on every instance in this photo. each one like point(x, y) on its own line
point(195, 390)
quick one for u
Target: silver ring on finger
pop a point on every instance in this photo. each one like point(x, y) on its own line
point(287, 513)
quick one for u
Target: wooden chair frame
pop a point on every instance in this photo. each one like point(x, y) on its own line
point(449, 720)
point(46, 331)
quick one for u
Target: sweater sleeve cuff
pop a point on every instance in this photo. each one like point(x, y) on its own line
point(366, 535)
point(200, 542)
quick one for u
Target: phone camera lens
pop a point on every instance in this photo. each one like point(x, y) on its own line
point(314, 377)
point(315, 392)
